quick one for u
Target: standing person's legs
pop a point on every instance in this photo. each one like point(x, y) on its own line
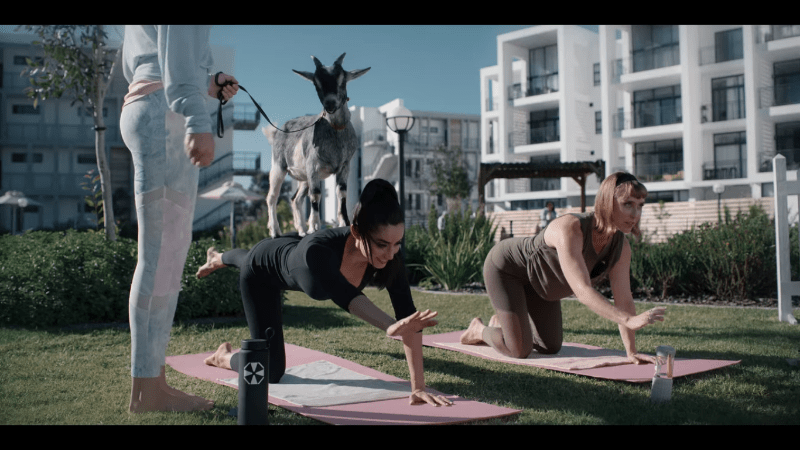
point(165, 187)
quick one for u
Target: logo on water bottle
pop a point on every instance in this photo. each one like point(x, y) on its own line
point(253, 373)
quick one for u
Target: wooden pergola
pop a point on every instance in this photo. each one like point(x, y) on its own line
point(578, 171)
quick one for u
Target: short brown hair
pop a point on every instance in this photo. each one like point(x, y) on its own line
point(615, 185)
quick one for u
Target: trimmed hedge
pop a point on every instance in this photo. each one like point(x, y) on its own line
point(69, 277)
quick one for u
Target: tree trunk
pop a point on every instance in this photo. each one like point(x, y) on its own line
point(100, 139)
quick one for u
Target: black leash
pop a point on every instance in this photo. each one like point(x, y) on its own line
point(222, 101)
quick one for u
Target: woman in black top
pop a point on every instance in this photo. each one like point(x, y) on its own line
point(331, 264)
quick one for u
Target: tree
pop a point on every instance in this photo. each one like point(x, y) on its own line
point(450, 176)
point(77, 64)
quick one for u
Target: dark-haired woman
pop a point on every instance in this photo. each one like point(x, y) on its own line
point(332, 264)
point(527, 277)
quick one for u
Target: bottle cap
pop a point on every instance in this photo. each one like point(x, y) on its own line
point(254, 344)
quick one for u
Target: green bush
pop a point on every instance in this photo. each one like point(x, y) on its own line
point(61, 278)
point(454, 256)
point(734, 259)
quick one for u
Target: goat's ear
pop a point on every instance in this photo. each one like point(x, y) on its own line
point(307, 75)
point(353, 74)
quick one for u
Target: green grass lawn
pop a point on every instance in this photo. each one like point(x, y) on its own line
point(82, 376)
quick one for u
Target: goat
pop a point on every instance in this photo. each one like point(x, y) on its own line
point(311, 155)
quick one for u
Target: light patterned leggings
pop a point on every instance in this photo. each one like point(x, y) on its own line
point(165, 188)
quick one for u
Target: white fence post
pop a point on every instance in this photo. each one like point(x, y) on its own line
point(786, 287)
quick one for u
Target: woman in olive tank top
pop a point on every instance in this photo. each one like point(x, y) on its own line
point(527, 277)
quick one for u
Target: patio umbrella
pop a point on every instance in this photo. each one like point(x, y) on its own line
point(18, 200)
point(233, 192)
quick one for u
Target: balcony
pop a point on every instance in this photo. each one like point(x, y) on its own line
point(644, 60)
point(715, 54)
point(50, 134)
point(724, 170)
point(536, 85)
point(777, 32)
point(722, 111)
point(792, 156)
point(533, 136)
point(665, 171)
point(245, 117)
point(779, 95)
point(650, 117)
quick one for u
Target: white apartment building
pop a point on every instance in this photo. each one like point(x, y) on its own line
point(686, 108)
point(378, 157)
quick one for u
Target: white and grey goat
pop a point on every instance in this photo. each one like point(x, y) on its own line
point(311, 155)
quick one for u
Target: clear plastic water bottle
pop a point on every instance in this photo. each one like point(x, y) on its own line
point(253, 385)
point(661, 390)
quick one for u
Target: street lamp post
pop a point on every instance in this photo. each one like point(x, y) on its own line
point(400, 120)
point(719, 189)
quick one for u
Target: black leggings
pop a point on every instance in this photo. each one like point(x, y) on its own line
point(262, 308)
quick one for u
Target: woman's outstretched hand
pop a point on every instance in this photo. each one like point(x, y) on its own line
point(419, 397)
point(648, 317)
point(413, 323)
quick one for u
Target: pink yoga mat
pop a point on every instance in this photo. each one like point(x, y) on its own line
point(627, 372)
point(383, 412)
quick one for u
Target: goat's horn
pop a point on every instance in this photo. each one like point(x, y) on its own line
point(316, 61)
point(339, 60)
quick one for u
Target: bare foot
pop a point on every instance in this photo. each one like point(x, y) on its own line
point(474, 334)
point(152, 394)
point(494, 322)
point(213, 262)
point(222, 357)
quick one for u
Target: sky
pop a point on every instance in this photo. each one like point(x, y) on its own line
point(430, 67)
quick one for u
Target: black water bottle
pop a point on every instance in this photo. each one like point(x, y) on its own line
point(253, 387)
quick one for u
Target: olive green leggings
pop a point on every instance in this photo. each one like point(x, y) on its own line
point(527, 321)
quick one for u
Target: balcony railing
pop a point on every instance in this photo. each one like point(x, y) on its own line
point(714, 54)
point(792, 156)
point(782, 32)
point(533, 136)
point(779, 95)
point(667, 171)
point(36, 133)
point(724, 170)
point(537, 85)
point(665, 115)
point(642, 60)
point(722, 111)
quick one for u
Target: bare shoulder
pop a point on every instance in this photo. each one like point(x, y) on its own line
point(563, 230)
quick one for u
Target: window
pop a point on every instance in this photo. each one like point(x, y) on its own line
point(728, 45)
point(786, 79)
point(787, 143)
point(543, 77)
point(659, 106)
point(87, 159)
point(655, 46)
point(24, 109)
point(727, 95)
point(544, 126)
point(596, 69)
point(23, 158)
point(658, 160)
point(598, 122)
point(730, 157)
